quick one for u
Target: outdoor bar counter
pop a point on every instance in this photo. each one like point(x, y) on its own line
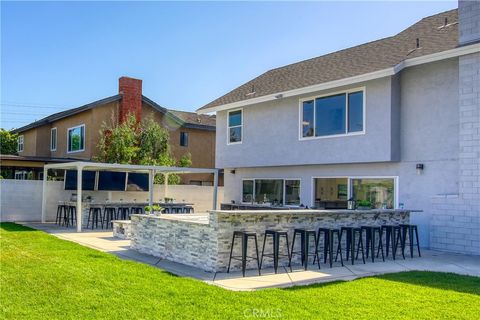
point(203, 240)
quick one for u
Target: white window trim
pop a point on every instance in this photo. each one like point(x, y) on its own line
point(84, 138)
point(228, 126)
point(350, 188)
point(22, 137)
point(356, 133)
point(56, 139)
point(284, 179)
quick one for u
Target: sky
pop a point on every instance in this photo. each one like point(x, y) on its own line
point(60, 55)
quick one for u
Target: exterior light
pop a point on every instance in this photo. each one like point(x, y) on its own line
point(419, 168)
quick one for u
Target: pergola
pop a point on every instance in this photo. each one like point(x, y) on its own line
point(79, 166)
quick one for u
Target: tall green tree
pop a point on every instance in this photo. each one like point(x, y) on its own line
point(8, 142)
point(145, 143)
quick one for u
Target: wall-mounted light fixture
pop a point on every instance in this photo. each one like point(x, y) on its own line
point(419, 168)
point(232, 171)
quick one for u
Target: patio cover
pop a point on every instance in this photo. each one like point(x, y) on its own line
point(93, 166)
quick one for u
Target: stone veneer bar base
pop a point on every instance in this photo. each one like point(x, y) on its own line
point(203, 241)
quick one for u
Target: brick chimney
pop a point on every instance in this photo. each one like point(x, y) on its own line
point(131, 102)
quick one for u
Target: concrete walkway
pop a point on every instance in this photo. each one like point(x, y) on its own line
point(430, 261)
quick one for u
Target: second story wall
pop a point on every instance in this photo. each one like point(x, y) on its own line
point(272, 136)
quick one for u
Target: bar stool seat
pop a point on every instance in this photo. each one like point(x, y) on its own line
point(328, 244)
point(95, 215)
point(276, 235)
point(244, 236)
point(305, 236)
point(370, 232)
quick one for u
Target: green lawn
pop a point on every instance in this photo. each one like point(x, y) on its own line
point(44, 277)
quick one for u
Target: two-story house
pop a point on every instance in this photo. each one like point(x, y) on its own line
point(74, 134)
point(395, 122)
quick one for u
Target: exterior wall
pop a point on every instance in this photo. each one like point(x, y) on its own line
point(29, 143)
point(456, 218)
point(469, 22)
point(428, 95)
point(271, 134)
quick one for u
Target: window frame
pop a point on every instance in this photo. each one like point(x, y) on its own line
point(283, 191)
point(184, 134)
point(84, 136)
point(56, 139)
point(229, 127)
point(21, 137)
point(346, 92)
point(350, 186)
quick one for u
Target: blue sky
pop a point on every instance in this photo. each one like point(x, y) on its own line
point(58, 55)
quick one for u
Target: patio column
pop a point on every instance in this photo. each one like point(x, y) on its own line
point(44, 195)
point(151, 179)
point(215, 190)
point(165, 182)
point(79, 198)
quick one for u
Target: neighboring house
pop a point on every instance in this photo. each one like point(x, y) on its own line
point(394, 121)
point(74, 134)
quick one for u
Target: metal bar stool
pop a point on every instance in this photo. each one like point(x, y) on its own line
point(71, 217)
point(351, 232)
point(94, 215)
point(109, 214)
point(328, 244)
point(123, 213)
point(61, 213)
point(393, 236)
point(276, 247)
point(370, 232)
point(244, 236)
point(305, 236)
point(412, 231)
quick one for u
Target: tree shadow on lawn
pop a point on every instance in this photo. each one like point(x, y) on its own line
point(13, 227)
point(435, 280)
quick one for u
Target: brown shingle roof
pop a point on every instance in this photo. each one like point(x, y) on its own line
point(362, 59)
point(193, 118)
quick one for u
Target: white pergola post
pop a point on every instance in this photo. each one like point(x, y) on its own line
point(151, 179)
point(165, 182)
point(44, 195)
point(79, 198)
point(215, 190)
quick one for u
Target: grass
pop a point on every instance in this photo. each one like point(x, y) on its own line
point(43, 277)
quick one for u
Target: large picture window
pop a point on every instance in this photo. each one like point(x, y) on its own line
point(271, 191)
point(235, 126)
point(379, 191)
point(76, 139)
point(337, 114)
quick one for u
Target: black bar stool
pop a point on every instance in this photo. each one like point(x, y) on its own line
point(393, 236)
point(370, 232)
point(109, 214)
point(61, 213)
point(123, 213)
point(276, 247)
point(328, 244)
point(135, 210)
point(305, 236)
point(244, 235)
point(94, 215)
point(71, 217)
point(351, 232)
point(411, 230)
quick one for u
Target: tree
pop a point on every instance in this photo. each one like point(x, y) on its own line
point(8, 142)
point(145, 143)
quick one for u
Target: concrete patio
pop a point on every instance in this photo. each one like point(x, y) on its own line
point(430, 261)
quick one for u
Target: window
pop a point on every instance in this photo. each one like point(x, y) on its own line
point(76, 139)
point(137, 181)
point(331, 193)
point(337, 114)
point(21, 175)
point(111, 181)
point(247, 191)
point(378, 191)
point(235, 124)
point(88, 180)
point(53, 139)
point(292, 192)
point(184, 139)
point(20, 140)
point(271, 191)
